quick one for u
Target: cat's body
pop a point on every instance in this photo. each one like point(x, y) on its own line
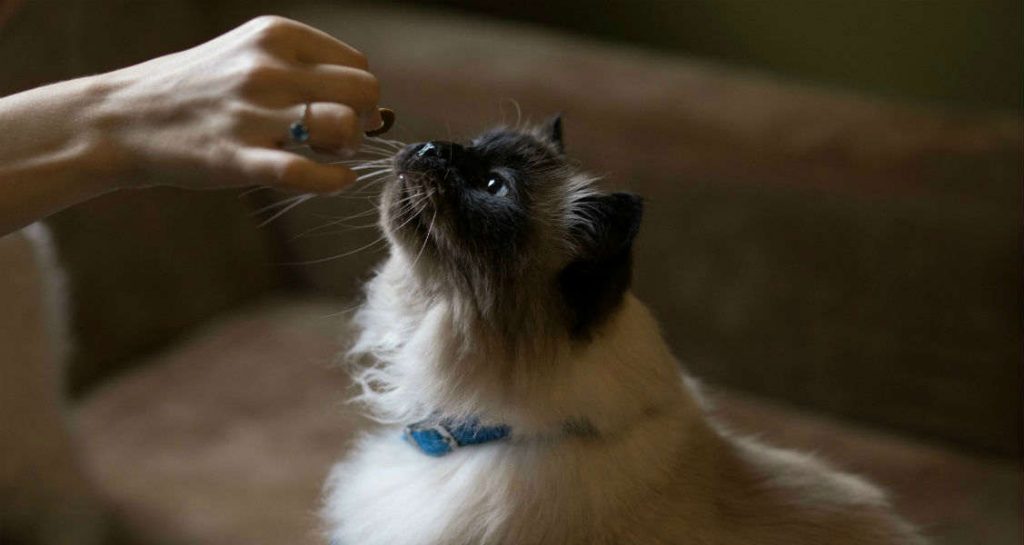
point(609, 443)
point(45, 495)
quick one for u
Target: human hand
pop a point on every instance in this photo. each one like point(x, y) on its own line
point(219, 114)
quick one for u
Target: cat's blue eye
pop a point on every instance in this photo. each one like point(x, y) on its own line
point(496, 185)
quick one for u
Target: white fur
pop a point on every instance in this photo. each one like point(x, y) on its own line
point(657, 471)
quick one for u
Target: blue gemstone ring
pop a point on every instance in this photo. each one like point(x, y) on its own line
point(298, 131)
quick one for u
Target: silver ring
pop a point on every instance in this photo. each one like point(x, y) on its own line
point(298, 131)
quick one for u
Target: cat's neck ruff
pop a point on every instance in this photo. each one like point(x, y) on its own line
point(419, 358)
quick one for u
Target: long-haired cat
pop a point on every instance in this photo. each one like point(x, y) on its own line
point(529, 398)
point(46, 497)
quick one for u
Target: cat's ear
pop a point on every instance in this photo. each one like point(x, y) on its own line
point(612, 222)
point(595, 282)
point(553, 130)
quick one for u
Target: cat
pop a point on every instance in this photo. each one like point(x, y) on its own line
point(46, 496)
point(528, 397)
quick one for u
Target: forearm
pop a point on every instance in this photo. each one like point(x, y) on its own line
point(216, 115)
point(51, 155)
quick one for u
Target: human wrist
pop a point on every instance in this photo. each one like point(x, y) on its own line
point(61, 134)
point(98, 123)
point(52, 156)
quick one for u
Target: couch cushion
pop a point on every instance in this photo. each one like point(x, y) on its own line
point(227, 438)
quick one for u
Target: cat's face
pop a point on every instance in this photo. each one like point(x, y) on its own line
point(509, 224)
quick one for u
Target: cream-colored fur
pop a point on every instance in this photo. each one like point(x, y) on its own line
point(44, 497)
point(656, 470)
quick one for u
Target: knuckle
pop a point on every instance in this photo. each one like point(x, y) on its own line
point(238, 110)
point(269, 23)
point(270, 29)
point(240, 115)
point(224, 159)
point(261, 73)
point(262, 20)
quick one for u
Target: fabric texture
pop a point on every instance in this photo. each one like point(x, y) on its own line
point(227, 440)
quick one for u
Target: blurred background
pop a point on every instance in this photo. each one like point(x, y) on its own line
point(832, 239)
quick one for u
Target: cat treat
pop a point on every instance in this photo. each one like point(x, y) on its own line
point(387, 115)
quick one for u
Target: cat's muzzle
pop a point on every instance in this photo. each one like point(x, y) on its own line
point(429, 161)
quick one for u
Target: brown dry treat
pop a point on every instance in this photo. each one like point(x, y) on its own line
point(388, 118)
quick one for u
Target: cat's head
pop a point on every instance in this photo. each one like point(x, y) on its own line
point(507, 225)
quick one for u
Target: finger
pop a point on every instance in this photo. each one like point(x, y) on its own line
point(286, 170)
point(332, 127)
point(374, 121)
point(357, 89)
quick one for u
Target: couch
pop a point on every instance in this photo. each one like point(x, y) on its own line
point(843, 270)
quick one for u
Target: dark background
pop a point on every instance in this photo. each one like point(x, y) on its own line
point(967, 53)
point(871, 269)
point(832, 239)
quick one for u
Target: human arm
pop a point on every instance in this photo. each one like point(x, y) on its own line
point(216, 115)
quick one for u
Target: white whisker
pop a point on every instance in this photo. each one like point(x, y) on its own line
point(279, 213)
point(426, 239)
point(282, 202)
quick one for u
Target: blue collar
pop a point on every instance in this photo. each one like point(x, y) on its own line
point(438, 437)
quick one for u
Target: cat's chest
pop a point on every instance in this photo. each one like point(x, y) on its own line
point(388, 492)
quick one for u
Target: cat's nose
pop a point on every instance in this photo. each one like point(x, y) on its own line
point(426, 149)
point(445, 151)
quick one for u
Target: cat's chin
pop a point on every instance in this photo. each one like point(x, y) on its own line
point(411, 240)
point(403, 208)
